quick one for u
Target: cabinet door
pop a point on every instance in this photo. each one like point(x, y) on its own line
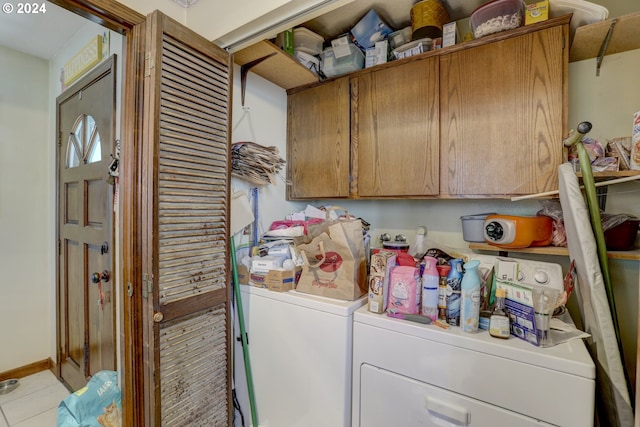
point(395, 132)
point(503, 115)
point(318, 141)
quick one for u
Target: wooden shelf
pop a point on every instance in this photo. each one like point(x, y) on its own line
point(281, 69)
point(633, 255)
point(611, 175)
point(588, 38)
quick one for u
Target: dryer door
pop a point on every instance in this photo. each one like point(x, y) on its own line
point(388, 399)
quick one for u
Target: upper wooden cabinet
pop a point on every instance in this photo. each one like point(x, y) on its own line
point(318, 141)
point(395, 131)
point(503, 115)
point(482, 119)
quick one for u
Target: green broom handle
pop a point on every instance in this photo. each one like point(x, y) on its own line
point(243, 334)
point(596, 222)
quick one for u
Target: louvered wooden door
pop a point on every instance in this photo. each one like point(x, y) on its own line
point(185, 205)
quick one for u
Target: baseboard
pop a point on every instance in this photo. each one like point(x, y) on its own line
point(30, 369)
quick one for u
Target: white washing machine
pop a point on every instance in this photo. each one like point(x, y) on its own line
point(408, 374)
point(301, 359)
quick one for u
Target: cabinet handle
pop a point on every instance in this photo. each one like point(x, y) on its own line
point(452, 412)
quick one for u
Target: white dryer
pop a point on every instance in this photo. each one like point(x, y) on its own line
point(408, 374)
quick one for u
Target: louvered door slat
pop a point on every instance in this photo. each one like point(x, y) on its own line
point(193, 401)
point(189, 201)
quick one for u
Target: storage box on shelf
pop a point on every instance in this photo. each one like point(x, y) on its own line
point(332, 65)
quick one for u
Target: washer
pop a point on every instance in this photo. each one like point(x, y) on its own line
point(409, 374)
point(300, 354)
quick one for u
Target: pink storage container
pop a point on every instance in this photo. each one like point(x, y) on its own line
point(496, 16)
point(404, 290)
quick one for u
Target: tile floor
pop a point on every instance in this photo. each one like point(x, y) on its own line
point(34, 403)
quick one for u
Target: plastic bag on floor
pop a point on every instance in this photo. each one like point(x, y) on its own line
point(97, 404)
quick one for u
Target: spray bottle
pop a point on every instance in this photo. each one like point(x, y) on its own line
point(453, 292)
point(470, 290)
point(430, 279)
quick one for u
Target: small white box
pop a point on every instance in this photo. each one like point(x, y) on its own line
point(449, 34)
point(377, 54)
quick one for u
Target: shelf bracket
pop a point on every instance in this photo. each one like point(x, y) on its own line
point(244, 70)
point(605, 44)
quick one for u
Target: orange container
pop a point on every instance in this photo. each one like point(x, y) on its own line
point(510, 231)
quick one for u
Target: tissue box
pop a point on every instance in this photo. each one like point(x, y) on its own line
point(369, 30)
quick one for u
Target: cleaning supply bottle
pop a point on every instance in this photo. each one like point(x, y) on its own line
point(443, 271)
point(499, 323)
point(470, 295)
point(453, 292)
point(430, 279)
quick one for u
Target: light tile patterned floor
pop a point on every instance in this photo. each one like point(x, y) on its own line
point(33, 403)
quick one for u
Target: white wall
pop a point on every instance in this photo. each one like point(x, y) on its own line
point(25, 263)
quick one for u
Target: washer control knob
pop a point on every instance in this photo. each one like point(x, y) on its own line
point(541, 277)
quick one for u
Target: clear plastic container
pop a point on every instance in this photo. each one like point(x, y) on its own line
point(304, 40)
point(496, 16)
point(307, 41)
point(332, 66)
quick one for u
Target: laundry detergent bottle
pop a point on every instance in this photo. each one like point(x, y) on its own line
point(453, 292)
point(430, 279)
point(470, 291)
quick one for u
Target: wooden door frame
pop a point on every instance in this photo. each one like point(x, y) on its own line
point(131, 24)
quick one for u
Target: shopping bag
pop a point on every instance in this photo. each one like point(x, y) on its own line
point(334, 262)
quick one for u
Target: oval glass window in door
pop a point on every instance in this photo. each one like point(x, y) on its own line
point(83, 145)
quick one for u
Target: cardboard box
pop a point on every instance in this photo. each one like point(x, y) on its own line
point(276, 280)
point(537, 12)
point(381, 264)
point(449, 34)
point(243, 274)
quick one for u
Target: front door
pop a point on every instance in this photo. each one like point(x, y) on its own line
point(86, 291)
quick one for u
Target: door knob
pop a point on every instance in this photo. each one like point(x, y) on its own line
point(101, 277)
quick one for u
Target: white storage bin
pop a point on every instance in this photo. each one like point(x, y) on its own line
point(307, 41)
point(332, 66)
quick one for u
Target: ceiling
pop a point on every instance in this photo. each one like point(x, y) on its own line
point(41, 35)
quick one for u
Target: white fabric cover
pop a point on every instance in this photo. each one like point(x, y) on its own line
point(614, 402)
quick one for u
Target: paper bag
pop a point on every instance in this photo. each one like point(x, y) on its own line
point(334, 263)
